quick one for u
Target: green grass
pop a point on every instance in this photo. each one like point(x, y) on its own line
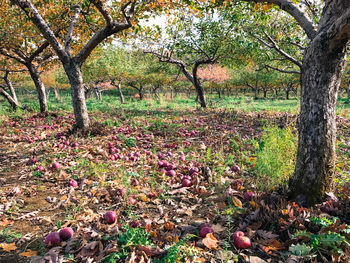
point(180, 104)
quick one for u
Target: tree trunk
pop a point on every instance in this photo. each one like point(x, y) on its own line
point(265, 93)
point(121, 96)
point(40, 88)
point(75, 77)
point(141, 92)
point(323, 66)
point(10, 86)
point(287, 93)
point(9, 98)
point(256, 93)
point(348, 90)
point(55, 91)
point(200, 93)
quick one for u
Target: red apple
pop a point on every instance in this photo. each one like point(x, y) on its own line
point(182, 158)
point(56, 165)
point(110, 217)
point(40, 168)
point(236, 168)
point(132, 200)
point(248, 195)
point(194, 170)
point(73, 183)
point(66, 233)
point(134, 224)
point(205, 230)
point(134, 182)
point(186, 183)
point(241, 241)
point(171, 173)
point(52, 239)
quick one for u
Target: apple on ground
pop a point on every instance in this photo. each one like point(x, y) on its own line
point(240, 240)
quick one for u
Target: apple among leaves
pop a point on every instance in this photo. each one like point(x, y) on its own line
point(241, 241)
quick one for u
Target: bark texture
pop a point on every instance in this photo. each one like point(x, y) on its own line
point(40, 88)
point(322, 68)
point(75, 77)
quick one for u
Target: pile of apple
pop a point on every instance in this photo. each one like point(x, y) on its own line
point(55, 238)
point(187, 179)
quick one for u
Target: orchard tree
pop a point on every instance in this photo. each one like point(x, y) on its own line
point(215, 74)
point(322, 66)
point(20, 42)
point(91, 23)
point(193, 42)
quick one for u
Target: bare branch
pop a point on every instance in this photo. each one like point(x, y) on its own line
point(283, 70)
point(38, 51)
point(71, 29)
point(9, 55)
point(274, 45)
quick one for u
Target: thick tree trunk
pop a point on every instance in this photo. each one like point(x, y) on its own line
point(265, 93)
point(323, 66)
point(121, 96)
point(9, 98)
point(40, 88)
point(75, 77)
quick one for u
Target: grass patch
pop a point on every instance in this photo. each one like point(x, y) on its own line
point(275, 158)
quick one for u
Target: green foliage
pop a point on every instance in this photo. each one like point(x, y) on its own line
point(323, 221)
point(275, 157)
point(173, 252)
point(9, 236)
point(300, 249)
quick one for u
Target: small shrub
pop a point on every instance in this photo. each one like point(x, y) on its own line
point(275, 157)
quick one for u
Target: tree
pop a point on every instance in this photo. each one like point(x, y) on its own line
point(100, 21)
point(21, 43)
point(215, 74)
point(10, 97)
point(322, 67)
point(192, 43)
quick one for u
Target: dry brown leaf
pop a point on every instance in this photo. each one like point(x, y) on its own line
point(210, 241)
point(29, 253)
point(8, 247)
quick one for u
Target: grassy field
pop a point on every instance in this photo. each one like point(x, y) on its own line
point(111, 102)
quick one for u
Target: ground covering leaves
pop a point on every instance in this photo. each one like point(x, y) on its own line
point(134, 163)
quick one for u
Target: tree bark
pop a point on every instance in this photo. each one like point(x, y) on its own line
point(10, 86)
point(75, 77)
point(323, 66)
point(121, 96)
point(141, 92)
point(14, 104)
point(348, 90)
point(40, 87)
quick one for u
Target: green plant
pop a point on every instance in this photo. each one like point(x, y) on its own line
point(275, 157)
point(173, 252)
point(9, 236)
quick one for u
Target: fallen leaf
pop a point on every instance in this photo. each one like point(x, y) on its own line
point(29, 253)
point(8, 247)
point(210, 241)
point(236, 202)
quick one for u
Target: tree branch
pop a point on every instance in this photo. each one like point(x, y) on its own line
point(274, 45)
point(71, 29)
point(283, 70)
point(38, 51)
point(301, 17)
point(33, 14)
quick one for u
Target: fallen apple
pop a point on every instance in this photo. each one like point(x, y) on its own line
point(205, 230)
point(73, 183)
point(241, 241)
point(186, 183)
point(56, 165)
point(52, 239)
point(66, 233)
point(236, 168)
point(110, 217)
